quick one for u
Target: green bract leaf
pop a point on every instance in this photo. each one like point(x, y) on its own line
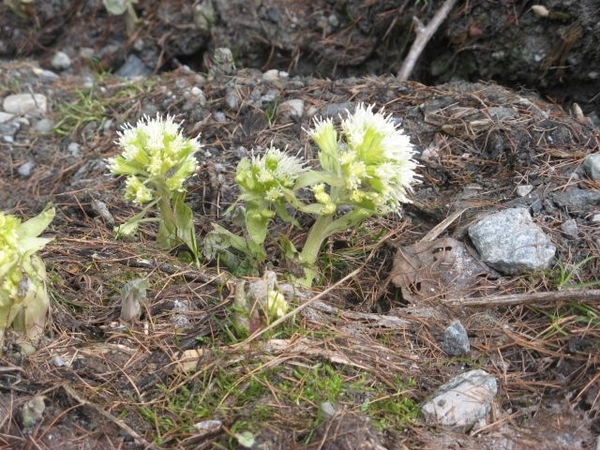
point(184, 219)
point(115, 7)
point(23, 297)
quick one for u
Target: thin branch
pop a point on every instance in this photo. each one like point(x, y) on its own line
point(424, 34)
point(576, 295)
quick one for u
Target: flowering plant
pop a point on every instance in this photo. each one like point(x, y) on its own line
point(24, 299)
point(157, 160)
point(366, 170)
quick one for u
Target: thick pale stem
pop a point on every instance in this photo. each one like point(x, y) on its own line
point(324, 227)
point(310, 252)
point(167, 217)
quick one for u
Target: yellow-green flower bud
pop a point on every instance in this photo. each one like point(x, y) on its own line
point(277, 305)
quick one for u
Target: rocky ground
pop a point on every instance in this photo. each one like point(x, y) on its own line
point(441, 291)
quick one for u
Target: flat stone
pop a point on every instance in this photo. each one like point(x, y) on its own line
point(463, 401)
point(577, 200)
point(44, 126)
point(570, 228)
point(60, 61)
point(591, 165)
point(456, 340)
point(133, 67)
point(524, 190)
point(271, 75)
point(293, 108)
point(5, 117)
point(511, 243)
point(26, 104)
point(25, 169)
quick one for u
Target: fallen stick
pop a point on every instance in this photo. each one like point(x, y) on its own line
point(424, 34)
point(576, 295)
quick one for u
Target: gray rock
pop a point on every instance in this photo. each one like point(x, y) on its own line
point(60, 61)
point(9, 130)
point(524, 190)
point(570, 228)
point(511, 243)
point(232, 99)
point(25, 169)
point(293, 108)
point(269, 97)
point(577, 200)
point(5, 117)
point(219, 116)
point(271, 75)
point(456, 340)
point(74, 149)
point(462, 402)
point(328, 409)
point(47, 75)
point(44, 126)
point(26, 104)
point(591, 165)
point(133, 67)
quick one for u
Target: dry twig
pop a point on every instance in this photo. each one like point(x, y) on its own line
point(521, 299)
point(424, 34)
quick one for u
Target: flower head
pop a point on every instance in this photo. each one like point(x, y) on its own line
point(155, 151)
point(266, 177)
point(377, 160)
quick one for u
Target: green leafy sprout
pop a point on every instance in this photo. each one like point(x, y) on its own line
point(366, 170)
point(24, 300)
point(157, 160)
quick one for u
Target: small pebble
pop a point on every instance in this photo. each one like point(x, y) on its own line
point(524, 190)
point(570, 228)
point(293, 108)
point(25, 169)
point(220, 117)
point(271, 75)
point(9, 131)
point(591, 165)
point(456, 340)
point(74, 149)
point(44, 126)
point(57, 361)
point(22, 104)
point(333, 21)
point(61, 61)
point(232, 99)
point(5, 117)
point(46, 75)
point(328, 409)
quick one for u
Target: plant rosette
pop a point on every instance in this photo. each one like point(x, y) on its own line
point(24, 300)
point(367, 169)
point(157, 160)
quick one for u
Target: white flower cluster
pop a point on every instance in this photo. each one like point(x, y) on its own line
point(267, 176)
point(374, 159)
point(155, 154)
